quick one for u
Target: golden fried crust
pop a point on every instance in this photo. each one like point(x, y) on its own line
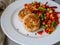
point(31, 22)
point(22, 13)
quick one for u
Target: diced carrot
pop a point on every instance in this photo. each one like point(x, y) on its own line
point(47, 29)
point(51, 29)
point(43, 6)
point(35, 6)
point(49, 21)
point(49, 24)
point(31, 8)
point(48, 14)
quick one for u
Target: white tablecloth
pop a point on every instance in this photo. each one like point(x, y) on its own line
point(3, 5)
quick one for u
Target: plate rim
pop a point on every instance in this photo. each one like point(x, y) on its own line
point(4, 28)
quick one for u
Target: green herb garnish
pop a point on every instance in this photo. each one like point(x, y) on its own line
point(40, 8)
point(53, 24)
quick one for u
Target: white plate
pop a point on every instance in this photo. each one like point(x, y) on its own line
point(15, 30)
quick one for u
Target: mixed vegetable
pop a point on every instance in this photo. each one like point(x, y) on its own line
point(47, 15)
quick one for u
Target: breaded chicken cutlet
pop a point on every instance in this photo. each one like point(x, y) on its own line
point(22, 13)
point(31, 22)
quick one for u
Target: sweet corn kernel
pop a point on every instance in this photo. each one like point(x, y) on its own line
point(48, 9)
point(43, 23)
point(46, 25)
